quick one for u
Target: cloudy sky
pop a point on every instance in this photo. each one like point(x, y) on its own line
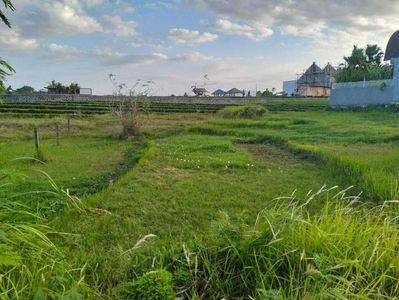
point(173, 44)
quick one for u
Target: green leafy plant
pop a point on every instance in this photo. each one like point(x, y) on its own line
point(40, 154)
point(154, 285)
point(364, 64)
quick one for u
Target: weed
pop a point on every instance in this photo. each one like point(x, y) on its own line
point(245, 112)
point(40, 155)
point(152, 285)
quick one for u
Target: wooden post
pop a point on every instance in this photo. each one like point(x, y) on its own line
point(69, 123)
point(57, 133)
point(36, 138)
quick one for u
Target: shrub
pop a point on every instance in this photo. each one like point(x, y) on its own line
point(242, 112)
point(359, 74)
point(152, 285)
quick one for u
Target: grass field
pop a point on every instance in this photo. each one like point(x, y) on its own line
point(291, 205)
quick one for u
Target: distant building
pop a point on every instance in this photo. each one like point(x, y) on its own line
point(218, 93)
point(51, 90)
point(316, 82)
point(234, 93)
point(200, 91)
point(289, 87)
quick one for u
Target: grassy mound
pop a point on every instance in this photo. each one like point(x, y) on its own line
point(242, 112)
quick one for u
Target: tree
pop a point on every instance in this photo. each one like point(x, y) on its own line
point(74, 88)
point(267, 93)
point(364, 64)
point(25, 90)
point(374, 54)
point(357, 58)
point(7, 4)
point(59, 88)
point(363, 58)
point(5, 68)
point(3, 89)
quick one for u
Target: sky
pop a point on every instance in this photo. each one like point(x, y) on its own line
point(166, 47)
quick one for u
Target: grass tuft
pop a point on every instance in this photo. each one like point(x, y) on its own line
point(242, 112)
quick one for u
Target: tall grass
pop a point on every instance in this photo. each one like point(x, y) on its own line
point(287, 254)
point(31, 265)
point(242, 112)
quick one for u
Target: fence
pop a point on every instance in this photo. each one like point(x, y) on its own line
point(363, 84)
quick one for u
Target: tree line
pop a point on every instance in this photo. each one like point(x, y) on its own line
point(364, 64)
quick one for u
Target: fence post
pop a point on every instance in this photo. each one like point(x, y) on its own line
point(57, 133)
point(36, 133)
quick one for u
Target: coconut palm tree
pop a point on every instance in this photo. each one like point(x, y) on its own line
point(5, 68)
point(374, 54)
point(356, 59)
point(74, 88)
point(7, 4)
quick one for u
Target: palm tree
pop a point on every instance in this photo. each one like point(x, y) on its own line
point(3, 73)
point(374, 54)
point(4, 66)
point(7, 4)
point(74, 88)
point(356, 59)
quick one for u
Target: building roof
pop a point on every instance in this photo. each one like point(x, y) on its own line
point(200, 90)
point(234, 91)
point(314, 76)
point(392, 50)
point(218, 92)
point(329, 69)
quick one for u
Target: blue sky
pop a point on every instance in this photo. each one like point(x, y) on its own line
point(241, 44)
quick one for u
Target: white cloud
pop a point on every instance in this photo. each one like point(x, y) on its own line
point(63, 49)
point(119, 27)
point(118, 59)
point(107, 53)
point(306, 18)
point(230, 28)
point(192, 57)
point(149, 45)
point(91, 3)
point(184, 36)
point(159, 4)
point(58, 19)
point(12, 42)
point(313, 32)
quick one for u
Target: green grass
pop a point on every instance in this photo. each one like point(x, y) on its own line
point(229, 208)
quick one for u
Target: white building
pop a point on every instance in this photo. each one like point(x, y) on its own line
point(289, 87)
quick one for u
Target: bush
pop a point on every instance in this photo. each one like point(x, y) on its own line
point(359, 74)
point(152, 285)
point(242, 112)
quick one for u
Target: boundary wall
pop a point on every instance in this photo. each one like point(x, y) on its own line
point(367, 92)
